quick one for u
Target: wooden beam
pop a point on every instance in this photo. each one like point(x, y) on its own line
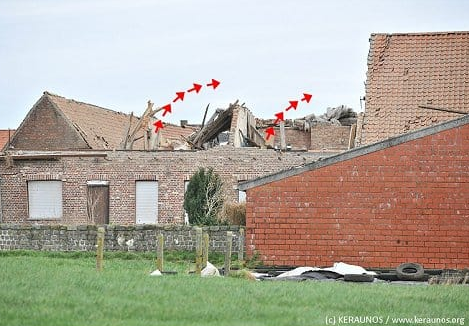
point(217, 124)
point(256, 137)
point(141, 122)
point(431, 107)
point(125, 139)
point(352, 136)
point(205, 116)
point(283, 144)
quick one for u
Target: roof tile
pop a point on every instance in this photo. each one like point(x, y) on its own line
point(408, 70)
point(103, 128)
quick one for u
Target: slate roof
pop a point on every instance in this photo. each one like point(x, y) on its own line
point(4, 137)
point(408, 70)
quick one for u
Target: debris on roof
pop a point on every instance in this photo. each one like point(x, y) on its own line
point(107, 129)
point(235, 125)
point(340, 115)
point(218, 123)
point(90, 127)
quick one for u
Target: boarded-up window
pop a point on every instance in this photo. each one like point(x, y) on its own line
point(45, 199)
point(146, 197)
point(98, 202)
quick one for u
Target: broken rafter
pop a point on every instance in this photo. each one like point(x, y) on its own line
point(187, 140)
point(220, 121)
point(143, 121)
point(126, 134)
point(205, 116)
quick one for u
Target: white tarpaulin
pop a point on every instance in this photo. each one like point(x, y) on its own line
point(339, 268)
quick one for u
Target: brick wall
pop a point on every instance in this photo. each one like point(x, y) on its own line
point(123, 168)
point(83, 237)
point(45, 128)
point(329, 137)
point(323, 137)
point(406, 203)
point(297, 139)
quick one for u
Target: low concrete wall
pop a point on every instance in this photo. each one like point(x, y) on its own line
point(117, 238)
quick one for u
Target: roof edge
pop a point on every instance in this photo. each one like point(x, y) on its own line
point(422, 33)
point(356, 152)
point(70, 123)
point(85, 103)
point(21, 126)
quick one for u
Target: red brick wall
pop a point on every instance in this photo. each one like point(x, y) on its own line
point(407, 203)
point(123, 168)
point(46, 129)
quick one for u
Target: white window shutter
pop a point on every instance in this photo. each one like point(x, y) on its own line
point(45, 199)
point(146, 197)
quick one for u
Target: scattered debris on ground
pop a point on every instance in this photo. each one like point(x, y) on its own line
point(407, 273)
point(156, 273)
point(209, 270)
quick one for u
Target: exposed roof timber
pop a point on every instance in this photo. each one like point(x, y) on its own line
point(220, 121)
point(356, 152)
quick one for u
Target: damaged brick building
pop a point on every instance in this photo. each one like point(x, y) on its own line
point(403, 195)
point(75, 163)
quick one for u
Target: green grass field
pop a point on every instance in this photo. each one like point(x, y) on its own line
point(65, 289)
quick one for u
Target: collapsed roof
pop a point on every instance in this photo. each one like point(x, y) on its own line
point(86, 126)
point(58, 123)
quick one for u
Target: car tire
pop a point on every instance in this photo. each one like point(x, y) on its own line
point(410, 272)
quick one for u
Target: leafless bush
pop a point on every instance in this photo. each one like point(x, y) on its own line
point(235, 213)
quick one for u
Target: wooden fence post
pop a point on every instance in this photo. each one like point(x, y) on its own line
point(229, 241)
point(206, 241)
point(198, 250)
point(100, 249)
point(159, 253)
point(241, 245)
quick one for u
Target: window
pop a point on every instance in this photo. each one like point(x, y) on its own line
point(45, 199)
point(98, 202)
point(146, 197)
point(241, 194)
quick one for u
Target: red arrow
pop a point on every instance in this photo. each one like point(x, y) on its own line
point(158, 125)
point(167, 109)
point(307, 97)
point(180, 96)
point(196, 88)
point(279, 117)
point(293, 104)
point(270, 132)
point(214, 83)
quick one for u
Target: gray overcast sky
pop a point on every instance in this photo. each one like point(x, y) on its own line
point(119, 54)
